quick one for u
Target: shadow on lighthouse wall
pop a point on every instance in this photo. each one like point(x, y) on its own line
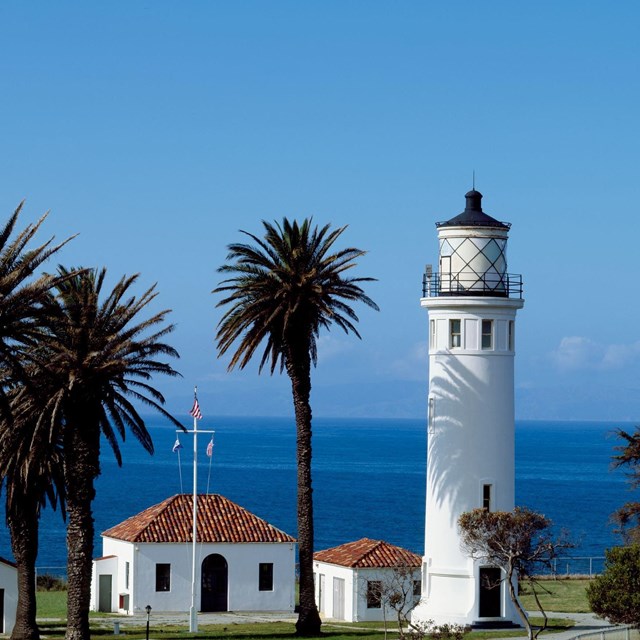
point(471, 440)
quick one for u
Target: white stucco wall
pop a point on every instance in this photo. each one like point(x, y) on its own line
point(355, 591)
point(325, 601)
point(9, 582)
point(104, 566)
point(243, 566)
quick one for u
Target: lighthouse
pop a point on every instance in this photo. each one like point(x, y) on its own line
point(472, 302)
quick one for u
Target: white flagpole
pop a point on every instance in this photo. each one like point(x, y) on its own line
point(193, 613)
point(193, 610)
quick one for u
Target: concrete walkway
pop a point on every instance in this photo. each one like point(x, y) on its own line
point(182, 618)
point(585, 623)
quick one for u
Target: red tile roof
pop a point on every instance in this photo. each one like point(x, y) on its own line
point(219, 520)
point(368, 553)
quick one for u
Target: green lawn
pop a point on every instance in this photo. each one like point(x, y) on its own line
point(51, 604)
point(568, 596)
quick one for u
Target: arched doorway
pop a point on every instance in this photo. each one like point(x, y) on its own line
point(214, 583)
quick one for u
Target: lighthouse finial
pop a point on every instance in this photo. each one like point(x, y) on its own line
point(473, 181)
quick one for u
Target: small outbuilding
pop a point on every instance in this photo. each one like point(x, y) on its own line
point(354, 581)
point(8, 595)
point(243, 563)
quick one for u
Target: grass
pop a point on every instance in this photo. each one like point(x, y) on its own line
point(51, 604)
point(568, 596)
point(564, 595)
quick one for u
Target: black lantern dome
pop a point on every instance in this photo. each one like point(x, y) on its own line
point(473, 215)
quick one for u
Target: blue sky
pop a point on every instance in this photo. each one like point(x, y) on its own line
point(156, 130)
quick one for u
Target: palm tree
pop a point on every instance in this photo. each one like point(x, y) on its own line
point(21, 297)
point(281, 291)
point(31, 461)
point(98, 358)
point(27, 482)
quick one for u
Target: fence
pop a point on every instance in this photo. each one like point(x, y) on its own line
point(612, 633)
point(59, 573)
point(578, 565)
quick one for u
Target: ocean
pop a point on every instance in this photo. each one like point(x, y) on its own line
point(369, 479)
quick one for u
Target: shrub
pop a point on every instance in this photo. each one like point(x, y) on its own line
point(615, 593)
point(49, 582)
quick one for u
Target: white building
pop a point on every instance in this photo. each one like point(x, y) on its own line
point(8, 595)
point(243, 563)
point(353, 581)
point(472, 304)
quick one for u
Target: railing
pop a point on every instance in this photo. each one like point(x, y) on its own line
point(578, 566)
point(610, 633)
point(55, 572)
point(508, 285)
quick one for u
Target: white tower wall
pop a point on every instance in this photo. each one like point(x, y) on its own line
point(470, 446)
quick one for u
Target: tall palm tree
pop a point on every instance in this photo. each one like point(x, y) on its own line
point(27, 482)
point(21, 296)
point(282, 290)
point(99, 357)
point(31, 463)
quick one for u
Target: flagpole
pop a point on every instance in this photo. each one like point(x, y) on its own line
point(197, 415)
point(193, 613)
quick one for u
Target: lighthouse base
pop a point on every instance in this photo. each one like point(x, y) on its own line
point(460, 599)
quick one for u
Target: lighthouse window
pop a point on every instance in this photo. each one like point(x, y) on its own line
point(487, 334)
point(486, 497)
point(511, 335)
point(433, 334)
point(455, 333)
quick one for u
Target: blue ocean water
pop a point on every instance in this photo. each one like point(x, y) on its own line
point(369, 479)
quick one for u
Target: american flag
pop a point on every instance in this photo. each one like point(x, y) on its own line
point(210, 448)
point(195, 411)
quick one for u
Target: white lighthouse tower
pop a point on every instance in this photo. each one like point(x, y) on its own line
point(472, 303)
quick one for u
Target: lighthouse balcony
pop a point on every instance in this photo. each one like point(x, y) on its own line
point(507, 285)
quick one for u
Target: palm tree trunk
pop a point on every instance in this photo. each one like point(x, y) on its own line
point(22, 519)
point(299, 370)
point(81, 467)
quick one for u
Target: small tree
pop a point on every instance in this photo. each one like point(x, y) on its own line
point(519, 543)
point(392, 592)
point(627, 518)
point(396, 592)
point(615, 593)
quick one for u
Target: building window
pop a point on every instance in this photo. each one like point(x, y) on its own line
point(455, 334)
point(511, 335)
point(417, 588)
point(265, 576)
point(487, 334)
point(486, 497)
point(163, 577)
point(432, 334)
point(126, 575)
point(374, 594)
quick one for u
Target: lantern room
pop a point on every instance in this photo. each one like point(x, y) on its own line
point(472, 256)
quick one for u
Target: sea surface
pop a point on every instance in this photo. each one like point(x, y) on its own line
point(369, 479)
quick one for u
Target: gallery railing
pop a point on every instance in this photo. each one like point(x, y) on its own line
point(508, 285)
